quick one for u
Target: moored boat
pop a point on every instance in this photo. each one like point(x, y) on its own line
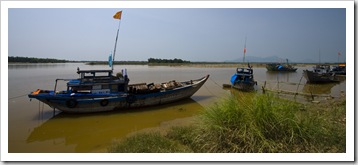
point(320, 74)
point(99, 91)
point(243, 79)
point(314, 77)
point(280, 67)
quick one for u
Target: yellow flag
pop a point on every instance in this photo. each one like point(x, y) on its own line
point(118, 15)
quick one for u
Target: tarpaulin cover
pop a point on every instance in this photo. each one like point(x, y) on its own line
point(233, 78)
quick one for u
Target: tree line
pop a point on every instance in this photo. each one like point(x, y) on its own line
point(158, 60)
point(35, 60)
point(50, 60)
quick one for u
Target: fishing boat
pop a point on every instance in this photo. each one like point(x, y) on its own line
point(321, 74)
point(243, 78)
point(280, 67)
point(100, 91)
point(340, 69)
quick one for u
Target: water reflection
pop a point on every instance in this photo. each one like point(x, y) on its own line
point(318, 88)
point(94, 132)
point(281, 76)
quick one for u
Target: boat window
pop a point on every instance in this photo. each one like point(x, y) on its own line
point(96, 87)
point(114, 87)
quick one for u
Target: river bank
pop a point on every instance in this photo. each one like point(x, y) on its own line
point(283, 126)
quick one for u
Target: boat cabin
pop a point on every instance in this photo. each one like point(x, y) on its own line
point(244, 74)
point(322, 69)
point(98, 82)
point(340, 69)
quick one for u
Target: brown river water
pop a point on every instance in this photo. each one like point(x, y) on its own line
point(37, 128)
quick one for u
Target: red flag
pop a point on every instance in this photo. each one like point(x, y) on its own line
point(244, 50)
point(339, 53)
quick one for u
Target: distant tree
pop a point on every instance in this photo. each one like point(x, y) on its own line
point(35, 60)
point(175, 60)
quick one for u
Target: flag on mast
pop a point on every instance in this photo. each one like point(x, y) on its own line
point(118, 15)
point(244, 51)
point(339, 53)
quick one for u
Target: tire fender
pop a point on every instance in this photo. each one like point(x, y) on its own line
point(104, 102)
point(71, 103)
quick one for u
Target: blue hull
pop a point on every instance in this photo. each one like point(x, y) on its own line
point(87, 103)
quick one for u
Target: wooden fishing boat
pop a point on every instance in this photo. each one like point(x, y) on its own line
point(320, 74)
point(243, 79)
point(99, 91)
point(314, 77)
point(280, 67)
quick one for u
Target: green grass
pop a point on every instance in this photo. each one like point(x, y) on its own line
point(148, 143)
point(259, 124)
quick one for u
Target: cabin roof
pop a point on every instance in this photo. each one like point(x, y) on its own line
point(94, 71)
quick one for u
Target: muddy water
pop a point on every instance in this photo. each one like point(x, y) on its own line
point(35, 127)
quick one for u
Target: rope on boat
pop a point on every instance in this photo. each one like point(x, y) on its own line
point(220, 87)
point(209, 91)
point(215, 82)
point(17, 96)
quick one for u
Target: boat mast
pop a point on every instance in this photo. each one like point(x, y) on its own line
point(244, 50)
point(116, 16)
point(319, 56)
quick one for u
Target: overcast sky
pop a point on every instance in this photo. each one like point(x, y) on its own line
point(189, 34)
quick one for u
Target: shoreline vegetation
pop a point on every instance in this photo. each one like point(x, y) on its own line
point(35, 60)
point(260, 124)
point(150, 62)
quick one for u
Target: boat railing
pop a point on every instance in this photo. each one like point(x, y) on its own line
point(54, 91)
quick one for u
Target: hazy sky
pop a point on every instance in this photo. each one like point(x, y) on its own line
point(189, 34)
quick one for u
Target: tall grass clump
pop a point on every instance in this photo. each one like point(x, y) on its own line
point(263, 123)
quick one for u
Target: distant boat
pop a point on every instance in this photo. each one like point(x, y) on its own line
point(320, 74)
point(100, 91)
point(280, 67)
